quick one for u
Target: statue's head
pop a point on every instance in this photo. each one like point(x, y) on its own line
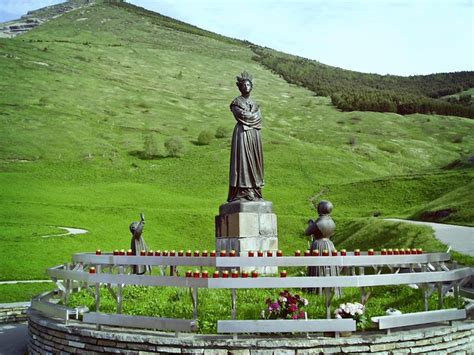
point(244, 83)
point(325, 207)
point(133, 227)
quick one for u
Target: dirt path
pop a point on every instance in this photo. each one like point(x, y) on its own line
point(70, 231)
point(460, 238)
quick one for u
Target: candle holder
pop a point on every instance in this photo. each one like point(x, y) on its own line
point(245, 274)
point(325, 252)
point(269, 253)
point(215, 275)
point(213, 253)
point(251, 254)
point(150, 253)
point(390, 251)
point(254, 274)
point(196, 274)
point(116, 252)
point(357, 252)
point(334, 253)
point(142, 252)
point(204, 253)
point(232, 253)
point(189, 273)
point(283, 273)
point(225, 274)
point(279, 253)
point(223, 253)
point(196, 253)
point(122, 252)
point(98, 252)
point(181, 253)
point(315, 252)
point(205, 274)
point(129, 252)
point(402, 251)
point(235, 274)
point(92, 270)
point(172, 253)
point(158, 253)
point(260, 253)
point(413, 251)
point(396, 251)
point(297, 253)
point(343, 252)
point(384, 252)
point(419, 251)
point(188, 253)
point(307, 253)
point(370, 252)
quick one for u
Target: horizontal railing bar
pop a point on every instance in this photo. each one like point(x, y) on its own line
point(266, 282)
point(244, 261)
point(180, 325)
point(394, 321)
point(285, 326)
point(52, 309)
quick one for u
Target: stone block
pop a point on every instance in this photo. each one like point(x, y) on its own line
point(246, 206)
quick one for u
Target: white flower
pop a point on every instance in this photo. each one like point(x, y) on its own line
point(282, 299)
point(305, 301)
point(338, 316)
point(360, 312)
point(262, 314)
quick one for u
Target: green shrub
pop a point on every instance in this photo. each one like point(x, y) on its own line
point(205, 138)
point(151, 148)
point(221, 132)
point(175, 147)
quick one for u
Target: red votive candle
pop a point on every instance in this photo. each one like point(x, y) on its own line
point(419, 251)
point(279, 253)
point(122, 252)
point(225, 274)
point(92, 270)
point(150, 253)
point(172, 253)
point(196, 274)
point(196, 253)
point(165, 252)
point(205, 274)
point(98, 252)
point(283, 273)
point(390, 251)
point(215, 275)
point(232, 253)
point(245, 274)
point(188, 253)
point(129, 252)
point(213, 253)
point(325, 252)
point(334, 253)
point(297, 253)
point(251, 253)
point(189, 273)
point(396, 252)
point(204, 253)
point(158, 253)
point(307, 253)
point(315, 252)
point(357, 252)
point(116, 252)
point(180, 252)
point(383, 252)
point(223, 253)
point(260, 253)
point(370, 252)
point(269, 253)
point(254, 274)
point(402, 251)
point(142, 252)
point(413, 251)
point(235, 274)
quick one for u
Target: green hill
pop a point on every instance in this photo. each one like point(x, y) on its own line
point(89, 95)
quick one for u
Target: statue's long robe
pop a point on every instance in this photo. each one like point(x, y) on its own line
point(246, 158)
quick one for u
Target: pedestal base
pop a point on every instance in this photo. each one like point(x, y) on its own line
point(247, 226)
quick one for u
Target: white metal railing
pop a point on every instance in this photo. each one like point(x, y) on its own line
point(429, 270)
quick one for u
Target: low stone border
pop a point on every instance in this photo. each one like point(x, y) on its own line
point(52, 336)
point(13, 312)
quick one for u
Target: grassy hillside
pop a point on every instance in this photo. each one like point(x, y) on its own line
point(85, 91)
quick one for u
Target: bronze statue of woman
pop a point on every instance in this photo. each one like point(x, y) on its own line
point(246, 157)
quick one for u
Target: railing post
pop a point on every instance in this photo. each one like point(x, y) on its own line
point(195, 303)
point(119, 292)
point(97, 290)
point(234, 304)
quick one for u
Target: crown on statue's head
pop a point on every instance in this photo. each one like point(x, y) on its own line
point(244, 76)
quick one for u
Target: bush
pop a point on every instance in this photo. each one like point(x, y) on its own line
point(150, 147)
point(221, 132)
point(175, 147)
point(205, 138)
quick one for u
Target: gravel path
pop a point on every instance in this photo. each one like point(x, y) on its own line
point(459, 238)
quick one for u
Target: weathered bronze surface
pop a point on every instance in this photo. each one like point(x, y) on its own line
point(138, 243)
point(246, 157)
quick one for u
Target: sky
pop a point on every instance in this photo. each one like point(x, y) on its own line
point(400, 37)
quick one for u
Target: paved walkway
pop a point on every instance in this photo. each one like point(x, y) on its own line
point(460, 238)
point(13, 338)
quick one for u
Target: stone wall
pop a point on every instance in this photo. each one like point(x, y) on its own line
point(13, 312)
point(47, 336)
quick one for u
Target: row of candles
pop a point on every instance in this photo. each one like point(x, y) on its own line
point(261, 253)
point(216, 274)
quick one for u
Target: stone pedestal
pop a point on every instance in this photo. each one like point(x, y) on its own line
point(247, 226)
